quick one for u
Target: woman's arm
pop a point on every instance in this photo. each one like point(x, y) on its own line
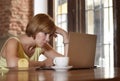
point(10, 52)
point(50, 52)
point(11, 55)
point(65, 39)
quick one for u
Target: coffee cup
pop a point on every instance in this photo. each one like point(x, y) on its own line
point(61, 61)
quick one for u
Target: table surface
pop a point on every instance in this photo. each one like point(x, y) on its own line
point(97, 74)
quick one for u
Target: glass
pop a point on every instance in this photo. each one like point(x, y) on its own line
point(99, 21)
point(110, 3)
point(107, 3)
point(61, 18)
point(108, 35)
point(90, 22)
point(89, 4)
point(97, 2)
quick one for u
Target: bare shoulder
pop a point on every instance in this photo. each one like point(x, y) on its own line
point(10, 48)
point(12, 42)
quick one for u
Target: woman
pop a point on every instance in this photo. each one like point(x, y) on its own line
point(34, 42)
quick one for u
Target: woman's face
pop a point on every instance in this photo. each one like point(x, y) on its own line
point(42, 38)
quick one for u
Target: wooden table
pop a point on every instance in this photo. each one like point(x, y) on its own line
point(97, 74)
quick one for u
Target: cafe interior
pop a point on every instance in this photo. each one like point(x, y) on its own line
point(97, 17)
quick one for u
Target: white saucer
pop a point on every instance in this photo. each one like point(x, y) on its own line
point(61, 68)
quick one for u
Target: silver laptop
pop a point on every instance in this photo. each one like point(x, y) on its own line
point(81, 51)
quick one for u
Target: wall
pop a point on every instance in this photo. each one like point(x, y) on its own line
point(14, 16)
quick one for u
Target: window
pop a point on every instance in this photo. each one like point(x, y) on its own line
point(99, 21)
point(61, 21)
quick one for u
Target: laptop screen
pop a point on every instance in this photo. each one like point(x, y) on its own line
point(81, 51)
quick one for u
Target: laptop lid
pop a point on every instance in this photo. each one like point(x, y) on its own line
point(81, 51)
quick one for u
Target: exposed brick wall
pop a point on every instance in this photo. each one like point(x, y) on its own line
point(14, 16)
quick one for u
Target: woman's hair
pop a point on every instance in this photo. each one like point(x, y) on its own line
point(40, 23)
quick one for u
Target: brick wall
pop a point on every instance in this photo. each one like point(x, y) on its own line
point(14, 16)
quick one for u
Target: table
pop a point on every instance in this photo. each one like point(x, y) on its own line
point(97, 74)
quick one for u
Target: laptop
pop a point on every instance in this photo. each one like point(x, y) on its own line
point(82, 49)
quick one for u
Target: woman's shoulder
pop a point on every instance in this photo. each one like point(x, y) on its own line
point(12, 40)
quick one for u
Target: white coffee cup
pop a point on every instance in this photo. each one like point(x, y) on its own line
point(61, 61)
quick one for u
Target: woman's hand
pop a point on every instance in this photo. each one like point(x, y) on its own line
point(48, 62)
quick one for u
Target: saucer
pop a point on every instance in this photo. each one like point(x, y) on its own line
point(61, 68)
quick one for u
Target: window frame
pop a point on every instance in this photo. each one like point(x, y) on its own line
point(80, 27)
